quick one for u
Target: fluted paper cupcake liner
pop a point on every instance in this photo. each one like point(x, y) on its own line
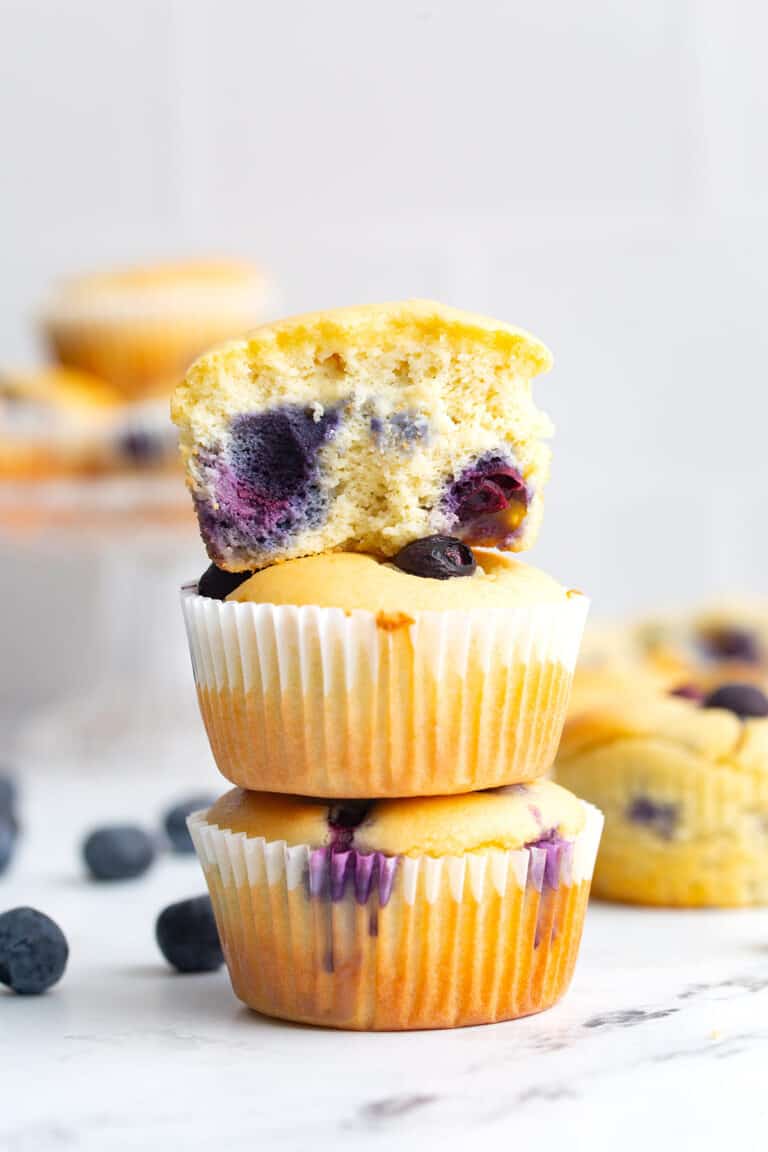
point(323, 702)
point(367, 941)
point(681, 830)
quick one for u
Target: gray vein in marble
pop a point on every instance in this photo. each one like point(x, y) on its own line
point(746, 983)
point(628, 1018)
point(390, 1108)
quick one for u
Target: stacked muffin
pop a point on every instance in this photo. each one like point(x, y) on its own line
point(382, 680)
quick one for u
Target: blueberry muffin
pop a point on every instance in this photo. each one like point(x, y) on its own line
point(421, 913)
point(682, 777)
point(728, 640)
point(56, 422)
point(364, 429)
point(52, 422)
point(441, 671)
point(140, 328)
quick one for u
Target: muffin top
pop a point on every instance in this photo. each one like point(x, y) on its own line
point(501, 818)
point(727, 724)
point(186, 287)
point(352, 580)
point(62, 389)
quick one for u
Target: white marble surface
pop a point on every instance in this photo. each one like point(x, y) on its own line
point(662, 1040)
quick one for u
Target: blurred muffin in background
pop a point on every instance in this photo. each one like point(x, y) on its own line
point(53, 421)
point(58, 422)
point(140, 328)
point(707, 645)
point(721, 641)
point(682, 777)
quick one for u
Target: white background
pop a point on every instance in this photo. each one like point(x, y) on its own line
point(593, 171)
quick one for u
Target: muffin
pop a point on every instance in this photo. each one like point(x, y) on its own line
point(682, 779)
point(140, 328)
point(347, 675)
point(721, 641)
point(364, 429)
point(52, 421)
point(56, 422)
point(421, 913)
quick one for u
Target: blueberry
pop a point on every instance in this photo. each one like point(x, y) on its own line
point(188, 937)
point(217, 584)
point(438, 557)
point(33, 951)
point(141, 446)
point(732, 643)
point(744, 700)
point(175, 822)
point(343, 817)
point(485, 489)
point(274, 452)
point(7, 842)
point(659, 816)
point(7, 796)
point(119, 852)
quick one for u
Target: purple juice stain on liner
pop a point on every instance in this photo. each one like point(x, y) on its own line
point(660, 817)
point(550, 856)
point(264, 482)
point(333, 874)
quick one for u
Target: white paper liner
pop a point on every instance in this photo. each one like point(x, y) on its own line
point(449, 942)
point(332, 703)
point(242, 859)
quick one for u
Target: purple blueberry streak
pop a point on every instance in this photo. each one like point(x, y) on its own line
point(264, 485)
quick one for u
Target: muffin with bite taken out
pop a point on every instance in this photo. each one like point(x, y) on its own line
point(364, 429)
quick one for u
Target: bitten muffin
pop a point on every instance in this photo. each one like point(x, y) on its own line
point(364, 429)
point(140, 328)
point(345, 675)
point(683, 781)
point(423, 913)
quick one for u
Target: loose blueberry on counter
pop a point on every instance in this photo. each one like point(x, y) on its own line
point(7, 796)
point(217, 584)
point(175, 822)
point(7, 842)
point(188, 937)
point(744, 700)
point(436, 557)
point(731, 643)
point(118, 852)
point(33, 951)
